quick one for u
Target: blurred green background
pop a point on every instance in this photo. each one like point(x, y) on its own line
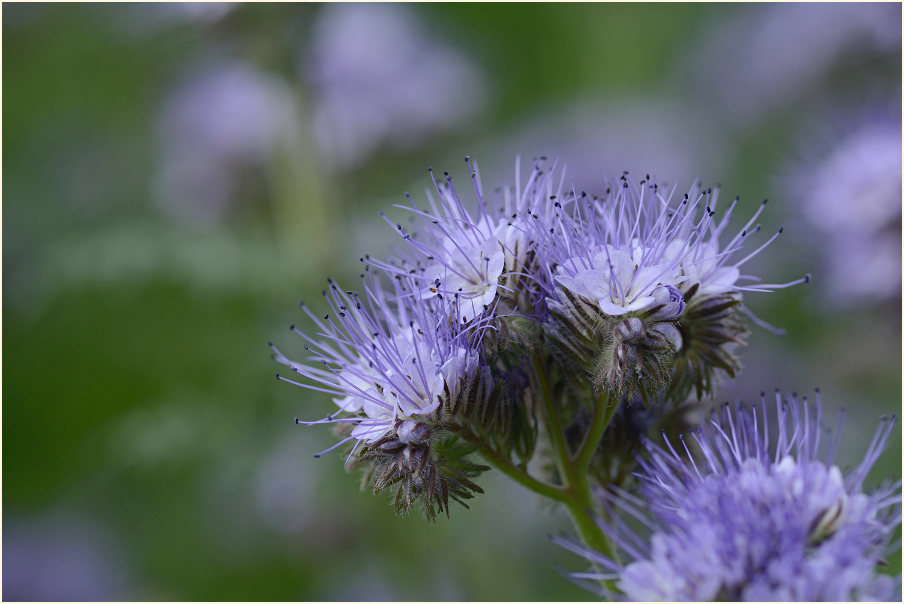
point(177, 177)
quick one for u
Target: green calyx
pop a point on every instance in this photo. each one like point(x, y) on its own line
point(711, 327)
point(429, 473)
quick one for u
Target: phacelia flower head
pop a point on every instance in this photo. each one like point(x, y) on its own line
point(475, 258)
point(637, 261)
point(635, 249)
point(752, 507)
point(386, 359)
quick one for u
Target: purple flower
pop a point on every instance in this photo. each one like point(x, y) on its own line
point(382, 78)
point(387, 359)
point(850, 193)
point(760, 512)
point(632, 249)
point(225, 120)
point(642, 289)
point(472, 257)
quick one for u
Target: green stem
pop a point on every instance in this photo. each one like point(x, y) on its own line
point(581, 504)
point(603, 410)
point(505, 466)
point(553, 424)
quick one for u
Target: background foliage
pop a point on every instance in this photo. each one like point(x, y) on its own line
point(177, 176)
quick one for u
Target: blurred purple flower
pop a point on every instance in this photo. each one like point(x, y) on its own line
point(637, 133)
point(379, 77)
point(229, 119)
point(850, 192)
point(764, 55)
point(761, 513)
point(60, 557)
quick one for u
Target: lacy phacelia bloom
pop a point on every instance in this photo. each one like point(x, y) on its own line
point(640, 290)
point(634, 248)
point(761, 513)
point(470, 258)
point(386, 360)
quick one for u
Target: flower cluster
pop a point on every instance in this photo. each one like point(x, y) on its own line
point(393, 367)
point(407, 363)
point(526, 328)
point(751, 506)
point(637, 282)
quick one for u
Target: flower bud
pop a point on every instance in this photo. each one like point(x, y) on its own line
point(710, 329)
point(636, 360)
point(413, 432)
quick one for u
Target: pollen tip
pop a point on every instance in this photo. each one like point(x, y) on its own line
point(807, 277)
point(292, 327)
